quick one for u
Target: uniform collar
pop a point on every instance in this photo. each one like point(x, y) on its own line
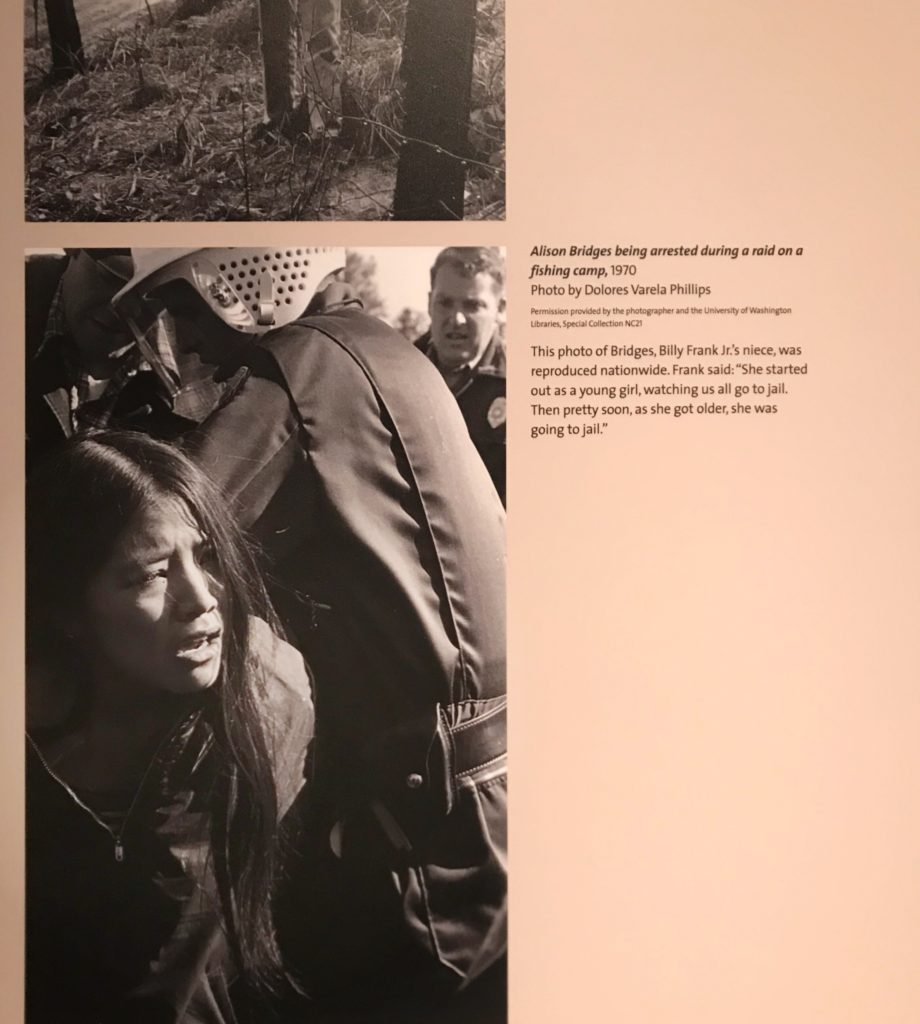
point(492, 362)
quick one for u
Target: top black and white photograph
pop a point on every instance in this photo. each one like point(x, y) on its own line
point(264, 110)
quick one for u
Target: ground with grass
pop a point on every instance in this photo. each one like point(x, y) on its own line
point(163, 124)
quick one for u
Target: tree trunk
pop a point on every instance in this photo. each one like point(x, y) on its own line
point(438, 71)
point(67, 56)
point(280, 58)
point(301, 63)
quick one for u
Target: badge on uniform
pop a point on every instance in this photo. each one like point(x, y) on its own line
point(496, 414)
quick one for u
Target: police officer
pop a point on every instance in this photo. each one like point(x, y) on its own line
point(349, 460)
point(467, 306)
point(83, 368)
point(79, 360)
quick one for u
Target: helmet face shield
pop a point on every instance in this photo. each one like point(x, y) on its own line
point(251, 290)
point(141, 313)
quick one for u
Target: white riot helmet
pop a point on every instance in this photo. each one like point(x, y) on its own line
point(252, 290)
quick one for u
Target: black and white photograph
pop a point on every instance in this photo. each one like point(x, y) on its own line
point(264, 110)
point(309, 565)
point(265, 657)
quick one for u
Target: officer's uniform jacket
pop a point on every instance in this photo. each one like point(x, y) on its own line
point(349, 459)
point(480, 393)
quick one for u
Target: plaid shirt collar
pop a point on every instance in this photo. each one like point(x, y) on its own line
point(490, 364)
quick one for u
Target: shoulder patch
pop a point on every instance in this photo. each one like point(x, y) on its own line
point(496, 415)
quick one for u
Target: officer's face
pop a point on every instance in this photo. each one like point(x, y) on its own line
point(101, 339)
point(198, 331)
point(465, 311)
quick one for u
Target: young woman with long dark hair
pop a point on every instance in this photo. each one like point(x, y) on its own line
point(167, 733)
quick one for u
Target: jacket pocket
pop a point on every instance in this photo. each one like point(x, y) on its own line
point(455, 896)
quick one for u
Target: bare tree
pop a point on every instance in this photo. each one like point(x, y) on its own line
point(67, 56)
point(280, 57)
point(411, 323)
point(438, 71)
point(301, 64)
point(361, 274)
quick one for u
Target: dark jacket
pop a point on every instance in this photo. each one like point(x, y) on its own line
point(140, 939)
point(348, 458)
point(481, 397)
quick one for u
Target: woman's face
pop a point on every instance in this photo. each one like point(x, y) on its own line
point(151, 619)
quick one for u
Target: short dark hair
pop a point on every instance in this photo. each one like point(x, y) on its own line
point(472, 260)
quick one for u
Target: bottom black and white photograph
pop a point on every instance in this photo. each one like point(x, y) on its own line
point(266, 773)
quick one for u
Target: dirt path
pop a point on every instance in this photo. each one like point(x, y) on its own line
point(95, 16)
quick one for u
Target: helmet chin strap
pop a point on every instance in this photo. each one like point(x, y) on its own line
point(266, 299)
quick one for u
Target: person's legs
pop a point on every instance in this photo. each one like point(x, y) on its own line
point(301, 60)
point(320, 29)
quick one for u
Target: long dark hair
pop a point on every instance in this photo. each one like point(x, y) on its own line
point(78, 504)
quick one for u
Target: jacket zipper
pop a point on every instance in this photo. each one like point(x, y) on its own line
point(116, 835)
